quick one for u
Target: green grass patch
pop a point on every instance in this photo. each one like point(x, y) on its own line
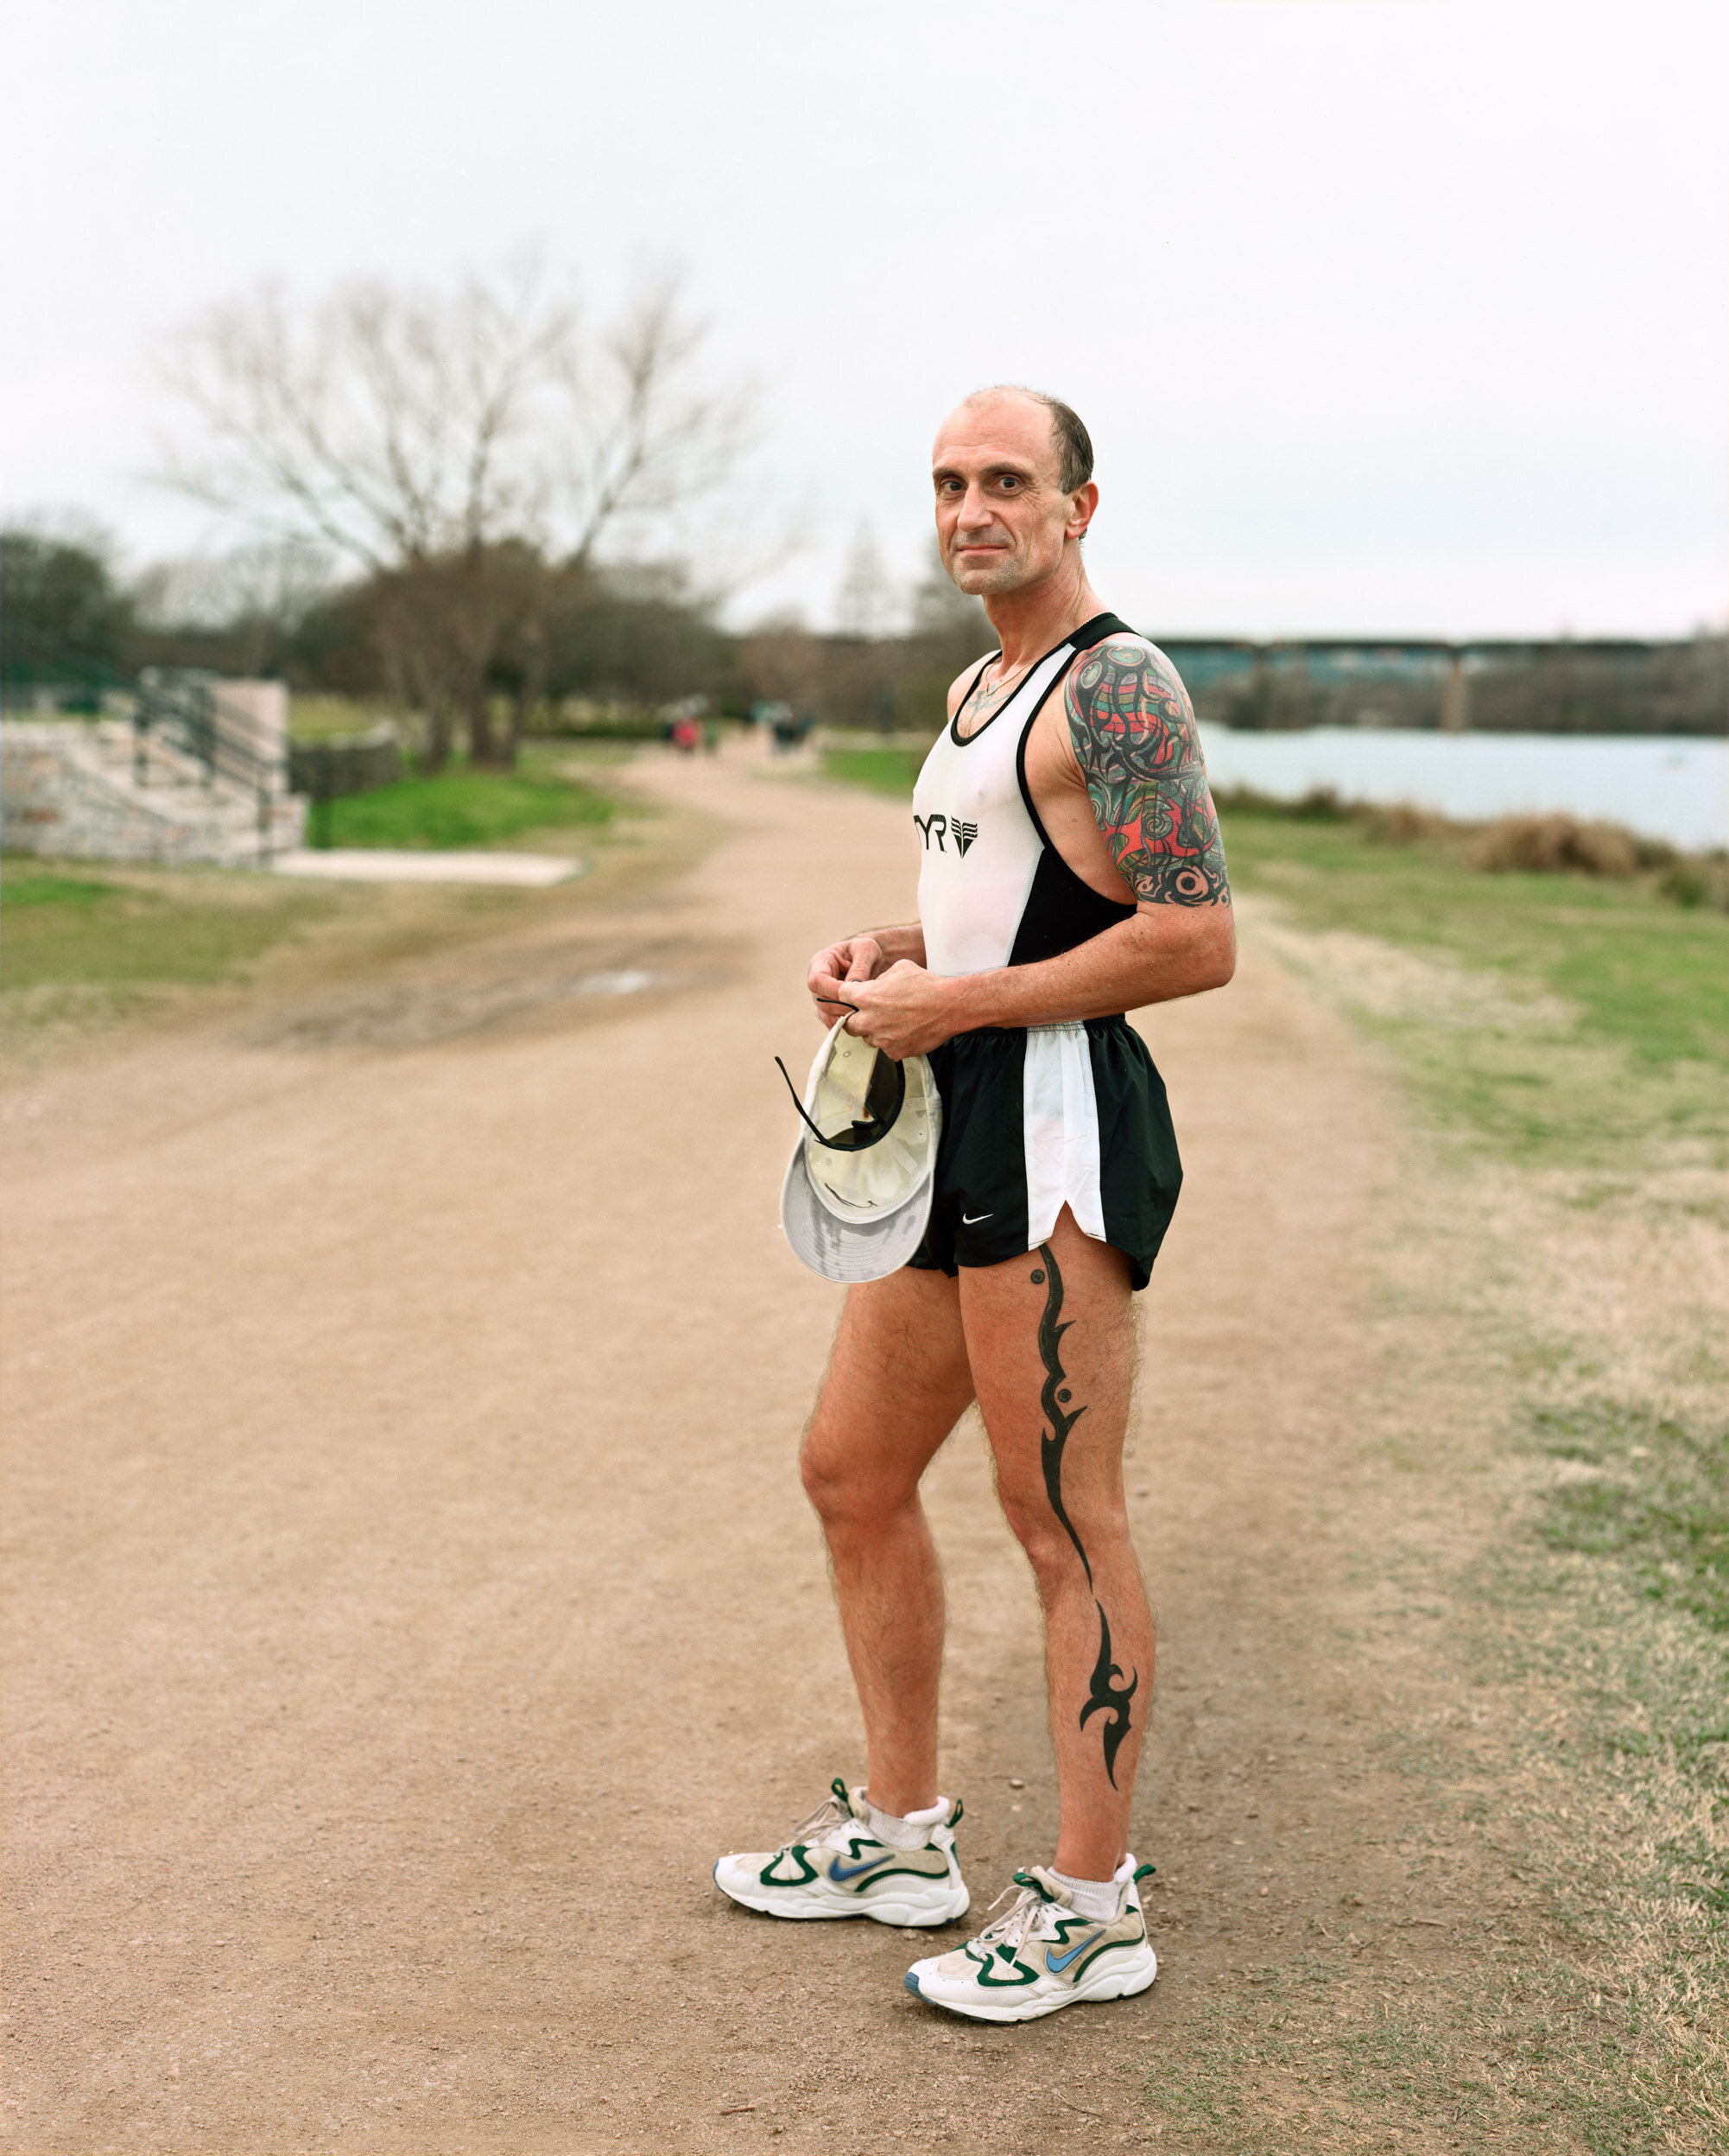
point(84, 945)
point(1604, 1027)
point(1653, 1497)
point(36, 888)
point(891, 771)
point(190, 929)
point(1648, 975)
point(465, 808)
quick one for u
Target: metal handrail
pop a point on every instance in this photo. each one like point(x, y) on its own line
point(182, 709)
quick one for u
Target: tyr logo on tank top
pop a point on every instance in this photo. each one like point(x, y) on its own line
point(942, 829)
point(993, 891)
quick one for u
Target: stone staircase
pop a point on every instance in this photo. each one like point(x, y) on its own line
point(111, 790)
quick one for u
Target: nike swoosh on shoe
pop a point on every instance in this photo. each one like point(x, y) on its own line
point(1057, 1962)
point(852, 1871)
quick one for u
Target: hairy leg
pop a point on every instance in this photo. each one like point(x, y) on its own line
point(897, 1383)
point(1051, 1336)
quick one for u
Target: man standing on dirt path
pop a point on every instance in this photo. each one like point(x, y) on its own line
point(1071, 870)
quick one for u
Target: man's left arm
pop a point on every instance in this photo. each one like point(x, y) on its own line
point(1132, 732)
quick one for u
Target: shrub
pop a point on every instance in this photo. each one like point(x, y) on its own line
point(1555, 845)
point(1404, 825)
point(1697, 883)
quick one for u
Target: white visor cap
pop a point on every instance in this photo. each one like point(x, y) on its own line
point(858, 1211)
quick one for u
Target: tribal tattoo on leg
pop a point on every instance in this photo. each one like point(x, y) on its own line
point(1054, 1395)
point(1107, 1694)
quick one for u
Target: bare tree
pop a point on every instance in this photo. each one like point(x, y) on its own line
point(472, 451)
point(865, 604)
point(253, 595)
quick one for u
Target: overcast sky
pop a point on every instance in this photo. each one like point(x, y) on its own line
point(1385, 315)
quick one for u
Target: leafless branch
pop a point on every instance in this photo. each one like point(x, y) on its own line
point(394, 424)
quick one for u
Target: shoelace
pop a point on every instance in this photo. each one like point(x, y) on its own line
point(1011, 1931)
point(829, 1814)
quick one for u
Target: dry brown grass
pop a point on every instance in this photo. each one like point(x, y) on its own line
point(1555, 845)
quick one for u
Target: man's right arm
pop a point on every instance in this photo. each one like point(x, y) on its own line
point(861, 957)
point(872, 951)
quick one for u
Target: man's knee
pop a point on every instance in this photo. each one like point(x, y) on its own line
point(847, 1491)
point(824, 1476)
point(1051, 1546)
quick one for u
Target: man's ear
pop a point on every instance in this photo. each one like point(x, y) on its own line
point(1082, 504)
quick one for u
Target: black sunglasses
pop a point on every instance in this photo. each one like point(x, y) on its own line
point(888, 1079)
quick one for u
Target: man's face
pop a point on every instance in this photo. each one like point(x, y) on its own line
point(1001, 517)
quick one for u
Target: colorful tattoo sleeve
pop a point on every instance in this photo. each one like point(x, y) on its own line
point(1133, 730)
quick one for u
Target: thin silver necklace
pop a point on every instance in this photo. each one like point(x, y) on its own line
point(984, 686)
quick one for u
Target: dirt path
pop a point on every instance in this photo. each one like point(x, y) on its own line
point(411, 1590)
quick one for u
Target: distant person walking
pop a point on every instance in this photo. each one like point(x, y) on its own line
point(1070, 871)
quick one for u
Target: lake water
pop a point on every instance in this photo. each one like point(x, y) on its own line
point(1663, 786)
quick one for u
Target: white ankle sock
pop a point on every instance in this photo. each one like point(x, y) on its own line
point(911, 1832)
point(1099, 1898)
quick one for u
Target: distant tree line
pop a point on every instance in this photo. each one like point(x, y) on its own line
point(640, 636)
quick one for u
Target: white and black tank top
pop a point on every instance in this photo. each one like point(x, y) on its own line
point(993, 891)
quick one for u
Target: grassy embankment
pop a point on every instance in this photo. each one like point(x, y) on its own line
point(1550, 1286)
point(1555, 1273)
point(1576, 1029)
point(89, 940)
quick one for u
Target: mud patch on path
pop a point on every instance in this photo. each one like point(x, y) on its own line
point(511, 987)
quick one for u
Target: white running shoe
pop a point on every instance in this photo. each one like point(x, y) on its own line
point(1043, 1955)
point(834, 1866)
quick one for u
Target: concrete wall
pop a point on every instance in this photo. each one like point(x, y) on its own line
point(257, 712)
point(67, 791)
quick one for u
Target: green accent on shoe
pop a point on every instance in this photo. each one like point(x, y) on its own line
point(796, 1853)
point(1143, 1871)
point(836, 1866)
point(989, 1982)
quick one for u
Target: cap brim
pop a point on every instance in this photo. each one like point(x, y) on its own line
point(849, 1251)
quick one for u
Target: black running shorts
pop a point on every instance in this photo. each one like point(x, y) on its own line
point(1040, 1117)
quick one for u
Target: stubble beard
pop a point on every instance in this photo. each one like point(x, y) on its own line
point(980, 580)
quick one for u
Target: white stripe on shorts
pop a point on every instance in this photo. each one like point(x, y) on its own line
point(1060, 1117)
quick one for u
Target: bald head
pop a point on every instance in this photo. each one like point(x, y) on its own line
point(1013, 497)
point(1071, 443)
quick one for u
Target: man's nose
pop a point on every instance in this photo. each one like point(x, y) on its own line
point(975, 510)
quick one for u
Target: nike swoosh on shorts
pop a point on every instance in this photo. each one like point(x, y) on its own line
point(968, 1219)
